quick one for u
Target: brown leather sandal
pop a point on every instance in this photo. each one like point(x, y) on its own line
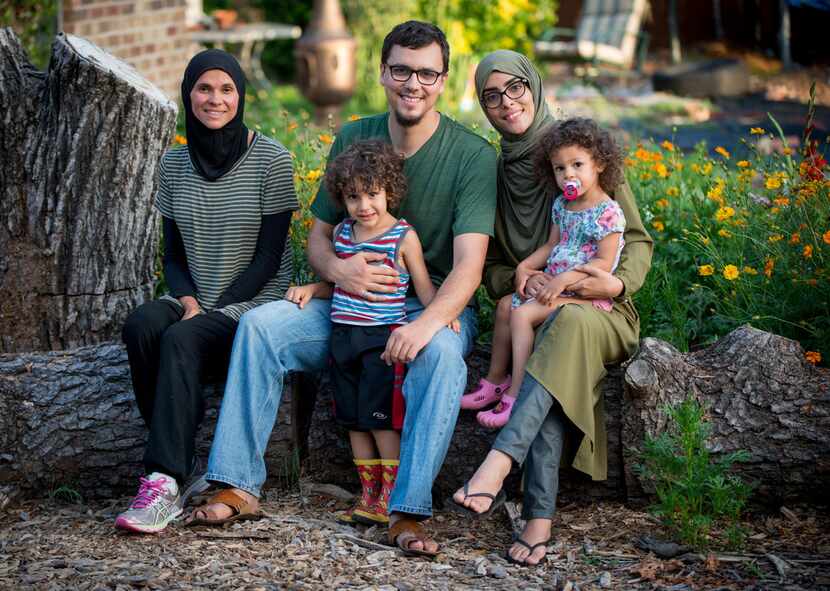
point(417, 532)
point(242, 510)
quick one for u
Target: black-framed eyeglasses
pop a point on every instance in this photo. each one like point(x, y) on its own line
point(402, 73)
point(493, 99)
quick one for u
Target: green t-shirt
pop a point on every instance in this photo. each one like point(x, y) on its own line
point(451, 187)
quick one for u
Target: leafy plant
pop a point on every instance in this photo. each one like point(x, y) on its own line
point(66, 494)
point(693, 492)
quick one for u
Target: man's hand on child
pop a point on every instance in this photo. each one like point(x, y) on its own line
point(521, 278)
point(358, 276)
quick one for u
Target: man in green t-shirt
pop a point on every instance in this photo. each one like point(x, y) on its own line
point(451, 202)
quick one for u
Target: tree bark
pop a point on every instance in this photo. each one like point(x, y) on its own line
point(68, 417)
point(762, 396)
point(79, 148)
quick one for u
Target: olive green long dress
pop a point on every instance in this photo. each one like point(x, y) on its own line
point(570, 355)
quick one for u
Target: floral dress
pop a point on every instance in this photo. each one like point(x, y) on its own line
point(580, 233)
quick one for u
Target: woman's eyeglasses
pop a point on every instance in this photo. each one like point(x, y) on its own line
point(493, 99)
point(404, 73)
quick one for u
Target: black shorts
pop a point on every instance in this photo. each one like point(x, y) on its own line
point(367, 392)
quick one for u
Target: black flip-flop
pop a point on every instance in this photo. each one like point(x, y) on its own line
point(532, 549)
point(498, 500)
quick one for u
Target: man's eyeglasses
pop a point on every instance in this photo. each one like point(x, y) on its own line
point(493, 99)
point(404, 73)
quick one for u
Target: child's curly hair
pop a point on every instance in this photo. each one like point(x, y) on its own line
point(586, 134)
point(363, 166)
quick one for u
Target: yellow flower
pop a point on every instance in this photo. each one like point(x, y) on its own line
point(773, 182)
point(705, 270)
point(787, 151)
point(774, 210)
point(750, 270)
point(646, 176)
point(313, 175)
point(354, 117)
point(808, 251)
point(769, 265)
point(695, 167)
point(667, 145)
point(795, 238)
point(743, 163)
point(722, 151)
point(724, 213)
point(661, 170)
point(662, 203)
point(724, 233)
point(757, 131)
point(707, 168)
point(658, 225)
point(730, 272)
point(705, 240)
point(775, 238)
point(826, 237)
point(812, 357)
point(325, 138)
point(672, 191)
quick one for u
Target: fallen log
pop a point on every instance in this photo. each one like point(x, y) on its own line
point(79, 148)
point(762, 396)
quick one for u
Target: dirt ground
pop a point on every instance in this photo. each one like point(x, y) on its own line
point(299, 545)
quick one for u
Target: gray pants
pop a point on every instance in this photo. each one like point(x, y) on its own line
point(534, 436)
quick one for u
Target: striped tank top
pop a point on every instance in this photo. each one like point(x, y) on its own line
point(349, 308)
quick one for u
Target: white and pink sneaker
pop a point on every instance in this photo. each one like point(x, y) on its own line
point(154, 507)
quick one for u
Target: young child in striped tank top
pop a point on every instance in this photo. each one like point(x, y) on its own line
point(367, 180)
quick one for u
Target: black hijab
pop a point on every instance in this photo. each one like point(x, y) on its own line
point(213, 152)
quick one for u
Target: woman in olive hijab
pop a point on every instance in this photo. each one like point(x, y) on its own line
point(561, 392)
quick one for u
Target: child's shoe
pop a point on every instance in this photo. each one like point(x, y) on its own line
point(497, 417)
point(380, 511)
point(154, 507)
point(486, 394)
point(370, 472)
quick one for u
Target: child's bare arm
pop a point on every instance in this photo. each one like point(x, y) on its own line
point(535, 261)
point(301, 294)
point(412, 255)
point(606, 253)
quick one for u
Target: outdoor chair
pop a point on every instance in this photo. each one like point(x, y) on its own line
point(608, 32)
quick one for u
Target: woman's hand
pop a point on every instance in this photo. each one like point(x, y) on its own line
point(455, 326)
point(523, 274)
point(191, 307)
point(552, 290)
point(536, 283)
point(597, 285)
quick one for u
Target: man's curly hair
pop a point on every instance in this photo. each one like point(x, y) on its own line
point(589, 136)
point(363, 166)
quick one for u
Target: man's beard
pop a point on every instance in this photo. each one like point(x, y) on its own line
point(407, 121)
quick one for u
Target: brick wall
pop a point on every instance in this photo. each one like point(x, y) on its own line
point(148, 34)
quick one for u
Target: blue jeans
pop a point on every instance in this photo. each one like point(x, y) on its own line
point(277, 338)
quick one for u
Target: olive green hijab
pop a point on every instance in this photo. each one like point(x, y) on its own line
point(524, 204)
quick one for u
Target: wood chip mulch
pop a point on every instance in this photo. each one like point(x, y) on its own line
point(49, 545)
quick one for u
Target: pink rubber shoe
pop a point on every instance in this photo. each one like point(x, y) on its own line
point(486, 393)
point(497, 417)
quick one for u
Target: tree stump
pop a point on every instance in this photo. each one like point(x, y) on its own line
point(79, 148)
point(762, 397)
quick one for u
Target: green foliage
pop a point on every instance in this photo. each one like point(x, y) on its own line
point(694, 493)
point(66, 494)
point(35, 22)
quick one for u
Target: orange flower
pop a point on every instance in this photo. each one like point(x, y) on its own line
point(658, 225)
point(180, 139)
point(662, 203)
point(722, 151)
point(743, 163)
point(292, 126)
point(808, 251)
point(325, 138)
point(826, 237)
point(781, 201)
point(769, 265)
point(661, 170)
point(812, 357)
point(757, 130)
point(667, 145)
point(795, 238)
point(354, 117)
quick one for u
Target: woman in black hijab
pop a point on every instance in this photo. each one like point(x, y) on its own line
point(226, 201)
